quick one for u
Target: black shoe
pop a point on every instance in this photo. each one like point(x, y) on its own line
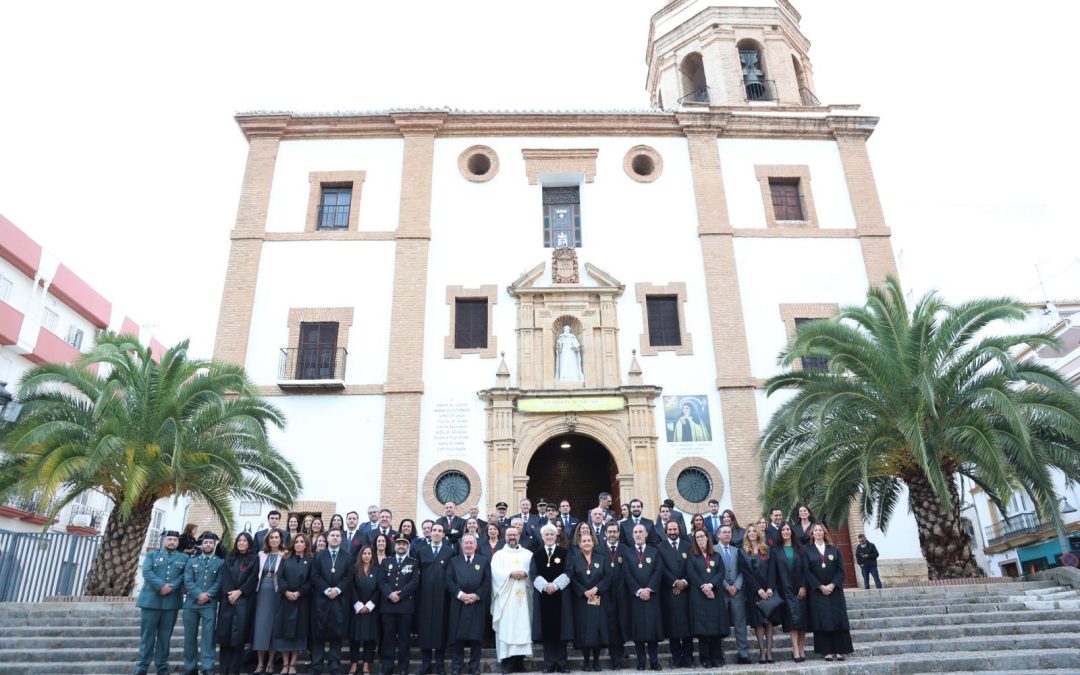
point(743, 660)
point(656, 667)
point(641, 666)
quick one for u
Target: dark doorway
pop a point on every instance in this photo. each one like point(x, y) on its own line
point(579, 473)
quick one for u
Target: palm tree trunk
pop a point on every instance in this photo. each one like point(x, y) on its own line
point(114, 567)
point(945, 544)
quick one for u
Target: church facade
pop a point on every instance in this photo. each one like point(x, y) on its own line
point(487, 306)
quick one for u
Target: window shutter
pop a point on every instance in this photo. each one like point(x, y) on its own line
point(787, 204)
point(812, 362)
point(663, 311)
point(470, 323)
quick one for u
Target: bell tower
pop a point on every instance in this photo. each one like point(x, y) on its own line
point(742, 53)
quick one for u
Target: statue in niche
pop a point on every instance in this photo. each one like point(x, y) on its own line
point(568, 358)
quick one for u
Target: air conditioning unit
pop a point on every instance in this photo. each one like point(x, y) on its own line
point(81, 520)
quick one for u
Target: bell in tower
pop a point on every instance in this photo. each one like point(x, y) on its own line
point(745, 53)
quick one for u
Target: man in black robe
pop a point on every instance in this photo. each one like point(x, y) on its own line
point(642, 578)
point(772, 531)
point(618, 610)
point(526, 540)
point(434, 608)
point(468, 583)
point(627, 526)
point(674, 597)
point(553, 622)
point(331, 580)
point(399, 579)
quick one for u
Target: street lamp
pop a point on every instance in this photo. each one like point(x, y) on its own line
point(9, 410)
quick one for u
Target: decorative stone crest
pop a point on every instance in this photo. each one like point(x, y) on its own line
point(564, 266)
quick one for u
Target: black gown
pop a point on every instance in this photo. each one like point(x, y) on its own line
point(676, 607)
point(330, 617)
point(763, 579)
point(234, 621)
point(708, 616)
point(827, 613)
point(468, 622)
point(292, 624)
point(552, 617)
point(643, 571)
point(432, 608)
point(365, 627)
point(590, 621)
point(789, 577)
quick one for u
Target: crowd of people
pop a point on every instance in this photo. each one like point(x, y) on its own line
point(459, 583)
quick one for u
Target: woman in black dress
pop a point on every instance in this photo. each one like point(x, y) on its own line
point(737, 533)
point(787, 567)
point(804, 519)
point(828, 609)
point(407, 529)
point(188, 543)
point(491, 541)
point(293, 622)
point(292, 527)
point(336, 522)
point(758, 553)
point(708, 602)
point(365, 625)
point(317, 528)
point(589, 586)
point(239, 575)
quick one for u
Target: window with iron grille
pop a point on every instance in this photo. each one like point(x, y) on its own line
point(812, 362)
point(452, 486)
point(786, 201)
point(694, 484)
point(663, 311)
point(334, 203)
point(316, 356)
point(562, 217)
point(470, 323)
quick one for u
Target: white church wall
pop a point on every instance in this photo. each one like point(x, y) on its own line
point(380, 159)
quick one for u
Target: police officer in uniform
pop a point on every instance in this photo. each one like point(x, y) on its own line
point(160, 600)
point(202, 585)
point(504, 520)
point(399, 579)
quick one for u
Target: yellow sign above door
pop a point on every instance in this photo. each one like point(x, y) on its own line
point(571, 404)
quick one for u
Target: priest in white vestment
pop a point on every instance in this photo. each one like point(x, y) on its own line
point(511, 602)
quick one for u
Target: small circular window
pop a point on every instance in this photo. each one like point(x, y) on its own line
point(694, 484)
point(452, 486)
point(643, 164)
point(478, 163)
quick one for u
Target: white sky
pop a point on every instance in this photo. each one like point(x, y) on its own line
point(118, 150)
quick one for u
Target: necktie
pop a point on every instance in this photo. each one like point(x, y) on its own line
point(399, 561)
point(384, 532)
point(468, 560)
point(549, 552)
point(674, 545)
point(435, 551)
point(727, 556)
point(612, 550)
point(640, 549)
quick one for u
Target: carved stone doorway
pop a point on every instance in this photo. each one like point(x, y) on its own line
point(579, 473)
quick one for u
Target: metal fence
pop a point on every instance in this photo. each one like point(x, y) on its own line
point(34, 566)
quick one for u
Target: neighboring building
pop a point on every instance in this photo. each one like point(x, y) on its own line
point(1021, 541)
point(48, 314)
point(400, 282)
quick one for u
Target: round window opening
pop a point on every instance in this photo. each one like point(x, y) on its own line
point(643, 165)
point(694, 484)
point(452, 486)
point(479, 164)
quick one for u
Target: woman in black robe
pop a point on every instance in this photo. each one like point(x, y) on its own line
point(486, 546)
point(239, 575)
point(708, 601)
point(365, 625)
point(788, 570)
point(590, 583)
point(758, 553)
point(292, 625)
point(737, 533)
point(828, 608)
point(804, 520)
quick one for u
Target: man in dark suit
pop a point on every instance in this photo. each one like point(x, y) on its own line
point(331, 582)
point(570, 523)
point(353, 537)
point(530, 520)
point(468, 581)
point(676, 514)
point(552, 620)
point(385, 527)
point(474, 512)
point(273, 521)
point(504, 520)
point(642, 578)
point(526, 538)
point(635, 519)
point(597, 524)
point(453, 524)
point(373, 519)
point(675, 596)
point(772, 531)
point(604, 504)
point(399, 579)
point(713, 519)
point(663, 519)
point(433, 603)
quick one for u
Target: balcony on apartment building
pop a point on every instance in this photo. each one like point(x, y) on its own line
point(319, 367)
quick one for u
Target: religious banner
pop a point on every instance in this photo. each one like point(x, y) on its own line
point(686, 419)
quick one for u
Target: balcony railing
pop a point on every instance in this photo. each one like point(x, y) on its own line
point(31, 504)
point(1016, 526)
point(808, 97)
point(334, 216)
point(87, 516)
point(761, 90)
point(699, 95)
point(312, 367)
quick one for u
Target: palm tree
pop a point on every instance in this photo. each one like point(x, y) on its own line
point(138, 431)
point(915, 400)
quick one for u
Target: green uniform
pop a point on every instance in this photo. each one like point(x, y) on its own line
point(202, 574)
point(159, 611)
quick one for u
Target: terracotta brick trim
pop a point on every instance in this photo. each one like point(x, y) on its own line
point(799, 172)
point(342, 316)
point(643, 164)
point(476, 489)
point(671, 486)
point(678, 288)
point(327, 509)
point(471, 163)
point(489, 292)
point(319, 179)
point(572, 160)
point(790, 312)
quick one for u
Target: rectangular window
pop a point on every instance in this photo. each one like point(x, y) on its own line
point(5, 289)
point(316, 357)
point(663, 320)
point(787, 204)
point(74, 337)
point(562, 217)
point(812, 362)
point(334, 204)
point(48, 319)
point(470, 323)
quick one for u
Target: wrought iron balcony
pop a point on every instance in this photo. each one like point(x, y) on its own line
point(31, 504)
point(1014, 527)
point(761, 90)
point(333, 216)
point(312, 368)
point(82, 515)
point(699, 95)
point(808, 97)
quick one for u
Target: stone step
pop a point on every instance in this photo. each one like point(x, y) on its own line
point(1053, 661)
point(958, 589)
point(957, 618)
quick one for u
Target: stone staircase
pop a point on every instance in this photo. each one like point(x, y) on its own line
point(984, 628)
